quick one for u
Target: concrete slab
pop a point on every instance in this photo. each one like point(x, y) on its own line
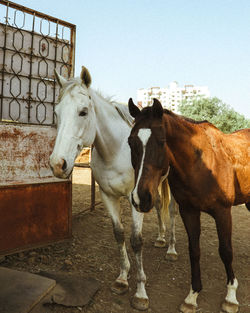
point(21, 291)
point(71, 291)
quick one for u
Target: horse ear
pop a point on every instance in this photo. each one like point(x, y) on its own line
point(133, 109)
point(85, 76)
point(61, 80)
point(157, 108)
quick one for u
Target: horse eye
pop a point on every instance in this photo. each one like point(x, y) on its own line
point(83, 112)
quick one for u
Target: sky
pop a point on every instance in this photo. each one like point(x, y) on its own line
point(132, 44)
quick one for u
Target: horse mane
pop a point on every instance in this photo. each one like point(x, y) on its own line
point(188, 119)
point(121, 108)
point(123, 111)
point(148, 110)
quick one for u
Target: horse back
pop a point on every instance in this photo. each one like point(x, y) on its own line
point(241, 140)
point(226, 157)
point(244, 133)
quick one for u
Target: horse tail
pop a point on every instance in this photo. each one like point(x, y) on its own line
point(248, 206)
point(165, 199)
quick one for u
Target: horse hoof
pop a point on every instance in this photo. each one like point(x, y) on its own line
point(160, 243)
point(140, 304)
point(187, 308)
point(119, 287)
point(228, 307)
point(172, 257)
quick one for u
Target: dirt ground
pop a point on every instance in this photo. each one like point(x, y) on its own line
point(92, 252)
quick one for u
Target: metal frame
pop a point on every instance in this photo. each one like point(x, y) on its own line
point(28, 90)
point(32, 45)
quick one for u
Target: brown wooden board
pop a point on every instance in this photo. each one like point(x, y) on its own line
point(34, 214)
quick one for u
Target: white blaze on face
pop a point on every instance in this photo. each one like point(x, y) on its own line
point(143, 134)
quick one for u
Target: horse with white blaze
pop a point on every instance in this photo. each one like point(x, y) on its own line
point(86, 118)
point(208, 171)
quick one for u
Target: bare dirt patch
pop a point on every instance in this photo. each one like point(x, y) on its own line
point(92, 252)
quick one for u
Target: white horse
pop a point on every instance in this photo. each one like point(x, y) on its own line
point(85, 118)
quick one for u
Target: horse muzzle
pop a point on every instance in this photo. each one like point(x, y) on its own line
point(142, 203)
point(59, 168)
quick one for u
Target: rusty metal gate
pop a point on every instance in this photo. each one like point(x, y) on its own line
point(35, 207)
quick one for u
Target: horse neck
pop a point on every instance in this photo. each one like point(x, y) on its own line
point(178, 134)
point(111, 129)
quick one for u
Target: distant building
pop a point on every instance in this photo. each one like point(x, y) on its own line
point(171, 96)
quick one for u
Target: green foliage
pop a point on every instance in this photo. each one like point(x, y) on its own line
point(216, 112)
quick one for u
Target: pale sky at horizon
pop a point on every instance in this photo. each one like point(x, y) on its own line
point(132, 44)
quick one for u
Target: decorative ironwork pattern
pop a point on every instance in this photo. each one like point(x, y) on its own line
point(32, 45)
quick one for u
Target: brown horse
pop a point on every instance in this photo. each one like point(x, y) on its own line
point(209, 171)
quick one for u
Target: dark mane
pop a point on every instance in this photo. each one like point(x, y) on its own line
point(147, 111)
point(188, 119)
point(194, 121)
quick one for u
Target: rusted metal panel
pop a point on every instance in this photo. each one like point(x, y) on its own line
point(34, 215)
point(25, 151)
point(35, 207)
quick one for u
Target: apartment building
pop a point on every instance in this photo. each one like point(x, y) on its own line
point(171, 96)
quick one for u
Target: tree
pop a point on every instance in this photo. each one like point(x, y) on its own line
point(216, 112)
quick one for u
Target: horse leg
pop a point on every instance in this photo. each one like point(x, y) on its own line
point(223, 221)
point(161, 214)
point(112, 204)
point(173, 210)
point(162, 211)
point(191, 220)
point(140, 300)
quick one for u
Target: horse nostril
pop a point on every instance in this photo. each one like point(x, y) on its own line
point(148, 197)
point(64, 165)
point(146, 202)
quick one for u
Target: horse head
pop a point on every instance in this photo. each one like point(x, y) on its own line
point(75, 119)
point(148, 154)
